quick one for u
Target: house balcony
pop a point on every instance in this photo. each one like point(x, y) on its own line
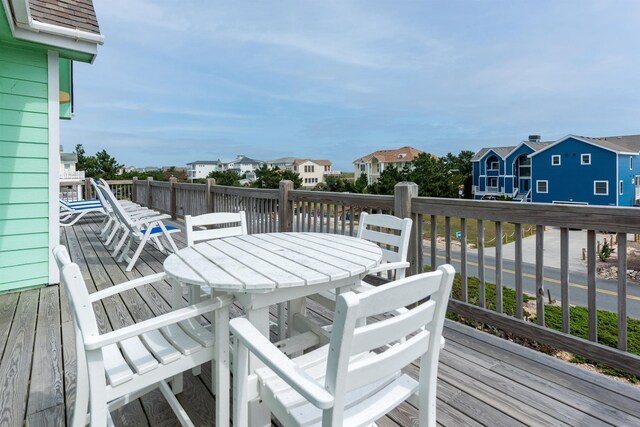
point(67, 175)
point(482, 379)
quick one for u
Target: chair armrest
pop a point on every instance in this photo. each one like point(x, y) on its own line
point(269, 354)
point(96, 296)
point(166, 319)
point(145, 221)
point(389, 266)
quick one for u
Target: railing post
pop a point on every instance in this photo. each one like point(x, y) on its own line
point(403, 193)
point(173, 203)
point(87, 189)
point(209, 196)
point(149, 179)
point(284, 208)
point(134, 197)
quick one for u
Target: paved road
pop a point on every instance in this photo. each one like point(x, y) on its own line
point(606, 298)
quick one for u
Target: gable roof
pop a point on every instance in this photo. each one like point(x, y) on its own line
point(404, 154)
point(206, 162)
point(69, 157)
point(619, 144)
point(244, 160)
point(78, 14)
point(317, 162)
point(501, 152)
point(282, 160)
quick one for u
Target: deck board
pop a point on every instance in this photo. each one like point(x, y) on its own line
point(483, 380)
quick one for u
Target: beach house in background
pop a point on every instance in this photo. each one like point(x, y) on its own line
point(200, 169)
point(574, 170)
point(373, 164)
point(243, 164)
point(38, 41)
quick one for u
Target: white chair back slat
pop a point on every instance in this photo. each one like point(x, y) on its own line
point(385, 332)
point(390, 233)
point(227, 224)
point(389, 361)
point(122, 215)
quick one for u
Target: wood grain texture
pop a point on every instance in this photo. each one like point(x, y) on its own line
point(47, 388)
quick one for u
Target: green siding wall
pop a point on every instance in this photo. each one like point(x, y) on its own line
point(24, 152)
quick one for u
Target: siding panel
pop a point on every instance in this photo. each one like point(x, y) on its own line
point(24, 167)
point(23, 149)
point(22, 87)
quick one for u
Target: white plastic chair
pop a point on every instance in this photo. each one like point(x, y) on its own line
point(117, 367)
point(346, 383)
point(226, 224)
point(139, 230)
point(392, 235)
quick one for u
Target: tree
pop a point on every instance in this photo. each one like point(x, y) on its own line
point(270, 177)
point(360, 184)
point(388, 179)
point(229, 178)
point(102, 165)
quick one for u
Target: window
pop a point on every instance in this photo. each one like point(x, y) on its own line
point(585, 159)
point(601, 188)
point(636, 180)
point(555, 160)
point(494, 166)
point(630, 162)
point(621, 190)
point(67, 165)
point(542, 186)
point(492, 182)
point(362, 167)
point(308, 168)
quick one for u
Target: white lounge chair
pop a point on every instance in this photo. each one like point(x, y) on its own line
point(117, 367)
point(71, 212)
point(138, 230)
point(346, 382)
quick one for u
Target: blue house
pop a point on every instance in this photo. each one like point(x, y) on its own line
point(505, 171)
point(585, 170)
point(572, 170)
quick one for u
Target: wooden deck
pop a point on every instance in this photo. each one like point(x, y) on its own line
point(483, 380)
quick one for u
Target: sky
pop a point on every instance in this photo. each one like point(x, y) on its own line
point(179, 81)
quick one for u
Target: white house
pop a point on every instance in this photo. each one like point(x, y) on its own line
point(284, 163)
point(312, 172)
point(373, 164)
point(68, 170)
point(202, 168)
point(243, 164)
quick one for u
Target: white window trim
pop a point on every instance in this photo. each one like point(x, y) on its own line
point(491, 168)
point(588, 162)
point(490, 178)
point(621, 187)
point(558, 157)
point(600, 194)
point(546, 183)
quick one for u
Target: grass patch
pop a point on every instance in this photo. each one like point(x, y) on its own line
point(508, 230)
point(607, 322)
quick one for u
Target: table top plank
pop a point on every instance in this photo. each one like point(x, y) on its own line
point(335, 258)
point(269, 261)
point(354, 245)
point(192, 267)
point(336, 248)
point(247, 276)
point(283, 271)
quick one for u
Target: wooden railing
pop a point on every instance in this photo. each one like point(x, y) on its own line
point(287, 209)
point(82, 189)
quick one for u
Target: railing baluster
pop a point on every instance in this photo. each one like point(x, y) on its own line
point(343, 217)
point(499, 305)
point(447, 239)
point(310, 208)
point(321, 217)
point(482, 295)
point(434, 242)
point(518, 270)
point(622, 291)
point(540, 273)
point(352, 215)
point(564, 280)
point(335, 218)
point(463, 260)
point(591, 285)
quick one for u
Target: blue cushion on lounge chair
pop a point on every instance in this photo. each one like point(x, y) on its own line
point(156, 230)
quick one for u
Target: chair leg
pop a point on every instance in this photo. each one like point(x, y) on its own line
point(119, 245)
point(220, 370)
point(240, 376)
point(112, 235)
point(177, 303)
point(124, 255)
